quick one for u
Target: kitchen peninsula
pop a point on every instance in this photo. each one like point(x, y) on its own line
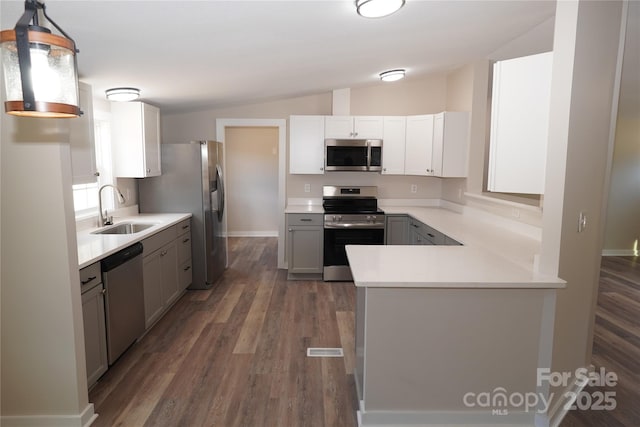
point(436, 326)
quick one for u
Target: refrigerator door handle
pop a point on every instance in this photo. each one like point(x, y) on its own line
point(220, 192)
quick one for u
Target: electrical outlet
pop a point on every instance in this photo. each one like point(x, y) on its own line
point(515, 212)
point(307, 188)
point(414, 188)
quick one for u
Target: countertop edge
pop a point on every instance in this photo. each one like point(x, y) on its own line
point(84, 237)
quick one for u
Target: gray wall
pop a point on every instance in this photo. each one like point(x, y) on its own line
point(623, 211)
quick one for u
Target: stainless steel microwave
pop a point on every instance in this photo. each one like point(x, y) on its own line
point(353, 155)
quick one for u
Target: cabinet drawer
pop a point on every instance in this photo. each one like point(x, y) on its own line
point(184, 226)
point(158, 240)
point(433, 235)
point(185, 273)
point(90, 276)
point(184, 248)
point(304, 219)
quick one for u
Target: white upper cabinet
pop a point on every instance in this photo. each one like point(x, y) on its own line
point(83, 156)
point(519, 124)
point(450, 144)
point(419, 145)
point(353, 127)
point(136, 139)
point(306, 144)
point(393, 145)
point(437, 145)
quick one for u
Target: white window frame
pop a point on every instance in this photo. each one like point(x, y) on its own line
point(88, 193)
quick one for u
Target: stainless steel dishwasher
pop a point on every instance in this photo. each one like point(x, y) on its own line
point(124, 299)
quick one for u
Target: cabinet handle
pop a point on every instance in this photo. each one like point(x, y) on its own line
point(104, 291)
point(84, 282)
point(96, 174)
point(187, 268)
point(185, 240)
point(290, 230)
point(321, 169)
point(430, 235)
point(184, 227)
point(163, 253)
point(414, 225)
point(306, 219)
point(148, 170)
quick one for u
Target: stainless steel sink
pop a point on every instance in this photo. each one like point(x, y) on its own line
point(124, 228)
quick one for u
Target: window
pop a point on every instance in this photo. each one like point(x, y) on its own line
point(85, 196)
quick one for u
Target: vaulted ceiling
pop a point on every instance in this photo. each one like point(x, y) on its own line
point(194, 54)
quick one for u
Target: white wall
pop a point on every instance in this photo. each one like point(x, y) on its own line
point(584, 77)
point(43, 366)
point(252, 181)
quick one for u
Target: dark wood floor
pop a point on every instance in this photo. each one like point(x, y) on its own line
point(236, 355)
point(616, 344)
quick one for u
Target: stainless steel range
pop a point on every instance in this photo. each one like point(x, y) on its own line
point(351, 217)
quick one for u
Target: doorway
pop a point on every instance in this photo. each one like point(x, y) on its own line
point(252, 181)
point(281, 125)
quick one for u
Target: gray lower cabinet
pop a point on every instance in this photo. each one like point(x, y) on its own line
point(305, 235)
point(419, 234)
point(95, 332)
point(166, 266)
point(405, 230)
point(185, 272)
point(397, 230)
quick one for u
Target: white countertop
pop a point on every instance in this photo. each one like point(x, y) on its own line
point(492, 256)
point(94, 247)
point(316, 209)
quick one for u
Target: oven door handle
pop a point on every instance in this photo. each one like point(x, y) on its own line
point(360, 226)
point(368, 155)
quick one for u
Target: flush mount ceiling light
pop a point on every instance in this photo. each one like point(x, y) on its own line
point(378, 8)
point(392, 75)
point(40, 68)
point(123, 94)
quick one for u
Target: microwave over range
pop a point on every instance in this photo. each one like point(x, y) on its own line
point(353, 155)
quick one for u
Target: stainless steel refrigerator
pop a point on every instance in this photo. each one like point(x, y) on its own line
point(192, 181)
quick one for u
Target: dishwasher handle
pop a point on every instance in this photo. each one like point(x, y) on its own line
point(119, 258)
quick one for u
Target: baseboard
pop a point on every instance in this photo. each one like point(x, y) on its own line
point(252, 234)
point(619, 252)
point(84, 419)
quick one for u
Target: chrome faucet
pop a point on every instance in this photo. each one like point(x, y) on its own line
point(104, 219)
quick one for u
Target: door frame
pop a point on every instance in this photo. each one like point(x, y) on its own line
point(281, 124)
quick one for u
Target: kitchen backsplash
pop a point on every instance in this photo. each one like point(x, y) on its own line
point(389, 186)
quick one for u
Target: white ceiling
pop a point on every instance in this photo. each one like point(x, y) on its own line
point(187, 55)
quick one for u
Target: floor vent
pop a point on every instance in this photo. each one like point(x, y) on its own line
point(324, 352)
